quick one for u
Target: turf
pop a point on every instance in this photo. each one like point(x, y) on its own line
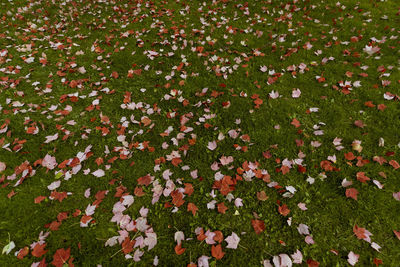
point(214, 133)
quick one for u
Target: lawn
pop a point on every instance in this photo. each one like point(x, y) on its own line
point(199, 133)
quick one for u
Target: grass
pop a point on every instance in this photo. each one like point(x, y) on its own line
point(198, 35)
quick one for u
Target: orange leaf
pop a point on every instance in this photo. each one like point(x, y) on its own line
point(179, 250)
point(216, 252)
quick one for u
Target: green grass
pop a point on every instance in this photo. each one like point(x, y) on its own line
point(330, 215)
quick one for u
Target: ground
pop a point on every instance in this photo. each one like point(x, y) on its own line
point(214, 133)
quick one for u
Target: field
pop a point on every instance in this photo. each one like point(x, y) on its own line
point(199, 133)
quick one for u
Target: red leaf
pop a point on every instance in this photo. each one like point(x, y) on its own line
point(352, 192)
point(359, 123)
point(258, 102)
point(38, 251)
point(349, 156)
point(177, 198)
point(192, 207)
point(54, 225)
point(284, 210)
point(219, 237)
point(42, 263)
point(359, 232)
point(377, 261)
point(176, 161)
point(285, 169)
point(369, 104)
point(258, 226)
point(99, 161)
point(312, 263)
point(11, 194)
point(127, 245)
point(295, 123)
point(144, 180)
point(62, 216)
point(397, 233)
point(60, 257)
point(381, 107)
point(216, 252)
point(115, 74)
point(222, 208)
point(58, 195)
point(39, 199)
point(188, 189)
point(379, 159)
point(394, 164)
point(362, 178)
point(73, 84)
point(23, 252)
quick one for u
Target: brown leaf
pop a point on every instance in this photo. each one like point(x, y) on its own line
point(262, 196)
point(258, 226)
